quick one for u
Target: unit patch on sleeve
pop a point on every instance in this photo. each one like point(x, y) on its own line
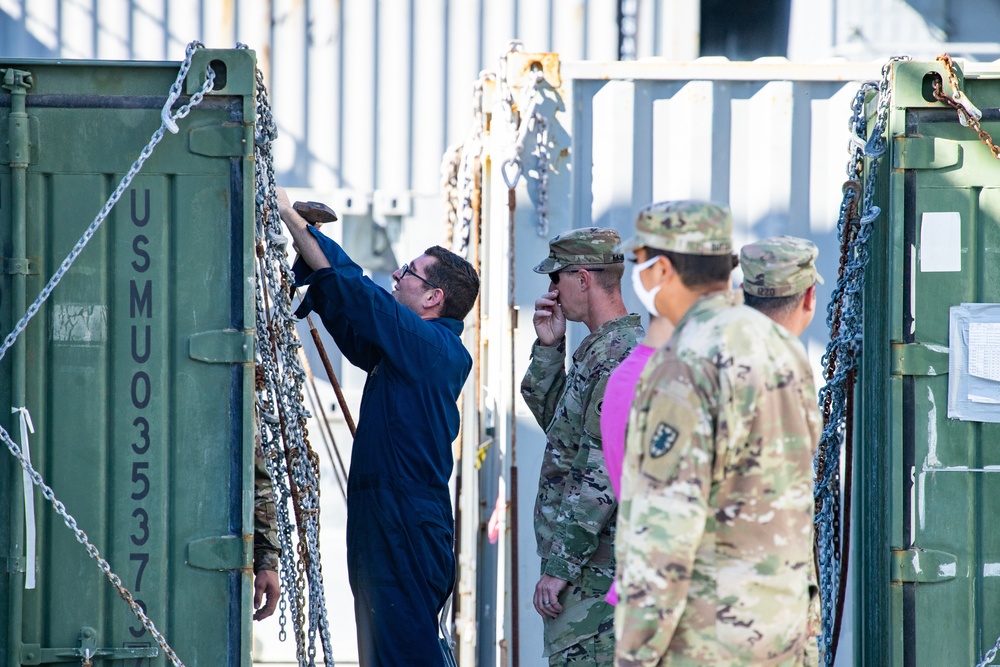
point(662, 440)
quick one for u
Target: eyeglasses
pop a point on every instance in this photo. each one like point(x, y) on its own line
point(406, 269)
point(554, 277)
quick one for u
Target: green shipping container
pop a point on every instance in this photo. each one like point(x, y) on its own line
point(137, 372)
point(928, 458)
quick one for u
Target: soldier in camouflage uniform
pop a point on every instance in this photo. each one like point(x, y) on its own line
point(575, 507)
point(715, 532)
point(266, 548)
point(779, 280)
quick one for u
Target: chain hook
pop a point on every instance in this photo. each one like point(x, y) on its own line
point(511, 170)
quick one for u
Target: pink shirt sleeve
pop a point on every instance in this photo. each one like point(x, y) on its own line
point(614, 419)
point(614, 413)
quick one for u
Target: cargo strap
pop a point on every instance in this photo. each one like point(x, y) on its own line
point(168, 122)
point(845, 318)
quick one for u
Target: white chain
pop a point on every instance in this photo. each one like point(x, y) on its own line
point(168, 121)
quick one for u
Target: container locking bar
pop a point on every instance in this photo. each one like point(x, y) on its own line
point(33, 654)
point(922, 566)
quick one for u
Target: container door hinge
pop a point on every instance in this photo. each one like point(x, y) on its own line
point(919, 359)
point(228, 552)
point(20, 265)
point(922, 566)
point(925, 152)
point(229, 346)
point(228, 140)
point(34, 654)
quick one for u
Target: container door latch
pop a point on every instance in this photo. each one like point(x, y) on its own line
point(86, 652)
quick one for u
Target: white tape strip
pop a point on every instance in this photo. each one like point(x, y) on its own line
point(29, 500)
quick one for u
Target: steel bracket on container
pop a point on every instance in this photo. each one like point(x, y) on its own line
point(925, 152)
point(34, 654)
point(215, 140)
point(228, 346)
point(520, 64)
point(918, 359)
point(14, 564)
point(228, 552)
point(20, 265)
point(922, 566)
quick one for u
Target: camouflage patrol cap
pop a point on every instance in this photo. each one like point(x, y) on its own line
point(779, 266)
point(686, 226)
point(588, 245)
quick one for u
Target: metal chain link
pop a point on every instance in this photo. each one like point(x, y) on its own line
point(289, 458)
point(845, 319)
point(450, 164)
point(531, 121)
point(469, 181)
point(168, 122)
point(541, 153)
point(990, 655)
point(968, 114)
point(628, 28)
point(270, 251)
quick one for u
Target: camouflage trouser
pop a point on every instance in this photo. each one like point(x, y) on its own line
point(595, 651)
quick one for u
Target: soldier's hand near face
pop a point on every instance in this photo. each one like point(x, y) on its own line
point(549, 321)
point(546, 598)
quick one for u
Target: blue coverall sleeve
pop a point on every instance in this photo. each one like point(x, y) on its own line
point(365, 320)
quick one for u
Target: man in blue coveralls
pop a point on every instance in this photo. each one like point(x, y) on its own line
point(400, 530)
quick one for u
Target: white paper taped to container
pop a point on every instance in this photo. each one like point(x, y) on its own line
point(940, 242)
point(984, 350)
point(974, 363)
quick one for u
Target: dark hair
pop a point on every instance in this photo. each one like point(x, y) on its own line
point(774, 306)
point(699, 270)
point(456, 278)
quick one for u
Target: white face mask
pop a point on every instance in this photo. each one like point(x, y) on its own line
point(647, 297)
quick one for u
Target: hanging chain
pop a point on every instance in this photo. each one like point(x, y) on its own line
point(293, 465)
point(469, 180)
point(968, 114)
point(531, 121)
point(845, 319)
point(542, 162)
point(628, 28)
point(450, 164)
point(168, 120)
